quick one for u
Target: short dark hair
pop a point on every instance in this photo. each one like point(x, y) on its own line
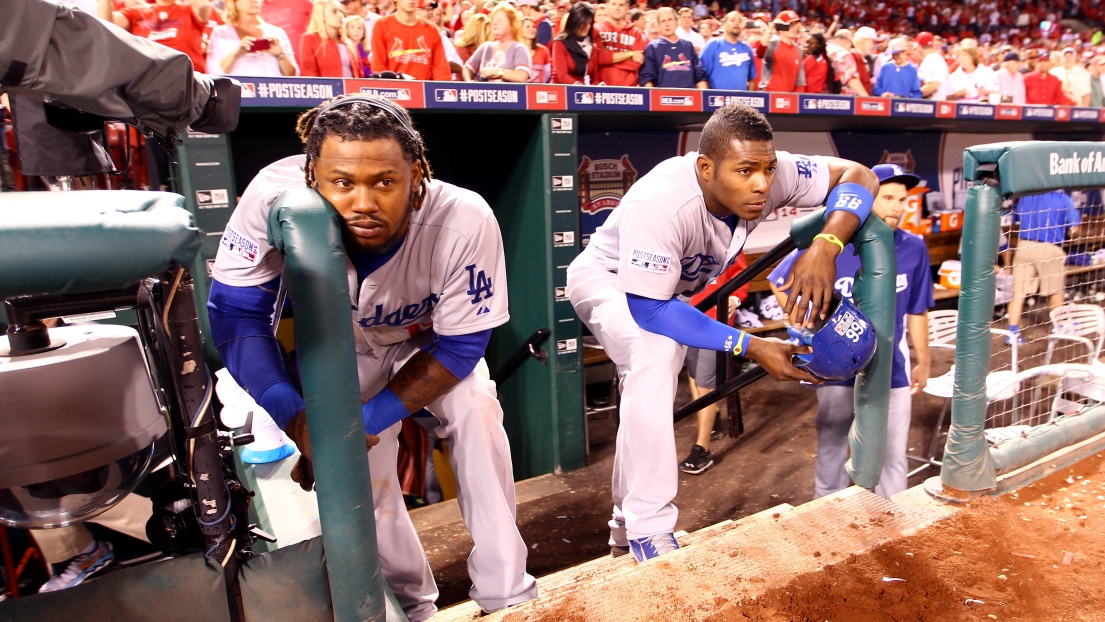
point(734, 122)
point(358, 120)
point(635, 15)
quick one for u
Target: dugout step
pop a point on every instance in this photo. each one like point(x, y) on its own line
point(741, 558)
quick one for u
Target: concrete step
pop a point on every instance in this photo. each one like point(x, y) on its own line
point(740, 559)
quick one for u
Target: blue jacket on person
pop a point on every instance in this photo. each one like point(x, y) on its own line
point(671, 65)
point(900, 80)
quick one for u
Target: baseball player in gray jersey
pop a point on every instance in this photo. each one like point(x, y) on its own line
point(427, 283)
point(676, 229)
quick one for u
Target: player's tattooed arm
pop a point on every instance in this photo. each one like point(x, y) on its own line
point(421, 381)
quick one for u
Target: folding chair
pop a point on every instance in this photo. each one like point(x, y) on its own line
point(1077, 323)
point(942, 330)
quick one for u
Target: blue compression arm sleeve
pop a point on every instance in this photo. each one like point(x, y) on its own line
point(851, 198)
point(242, 331)
point(686, 325)
point(458, 353)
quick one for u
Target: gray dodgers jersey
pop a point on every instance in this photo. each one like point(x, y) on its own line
point(447, 275)
point(661, 241)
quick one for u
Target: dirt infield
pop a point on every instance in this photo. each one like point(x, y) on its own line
point(1034, 555)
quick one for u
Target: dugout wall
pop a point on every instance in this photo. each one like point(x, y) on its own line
point(519, 147)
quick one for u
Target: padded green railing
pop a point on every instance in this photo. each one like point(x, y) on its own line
point(307, 230)
point(874, 293)
point(90, 241)
point(997, 172)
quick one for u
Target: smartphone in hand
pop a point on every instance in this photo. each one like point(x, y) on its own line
point(260, 45)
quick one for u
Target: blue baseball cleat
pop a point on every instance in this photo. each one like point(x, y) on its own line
point(649, 547)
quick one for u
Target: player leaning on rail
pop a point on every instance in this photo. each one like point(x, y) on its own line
point(676, 229)
point(427, 283)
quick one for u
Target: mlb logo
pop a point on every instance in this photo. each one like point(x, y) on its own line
point(717, 101)
point(547, 97)
point(585, 98)
point(677, 100)
point(811, 104)
point(249, 89)
point(446, 95)
point(561, 124)
point(403, 95)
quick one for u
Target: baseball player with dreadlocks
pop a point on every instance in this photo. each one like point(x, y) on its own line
point(675, 230)
point(427, 283)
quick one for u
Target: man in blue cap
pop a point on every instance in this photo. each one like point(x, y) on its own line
point(835, 402)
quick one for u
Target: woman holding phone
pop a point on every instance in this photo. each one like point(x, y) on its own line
point(246, 45)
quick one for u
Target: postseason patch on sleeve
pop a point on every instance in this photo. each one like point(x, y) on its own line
point(240, 245)
point(650, 261)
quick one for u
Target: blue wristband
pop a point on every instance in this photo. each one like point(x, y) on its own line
point(851, 198)
point(382, 411)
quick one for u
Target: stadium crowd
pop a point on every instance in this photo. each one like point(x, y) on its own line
point(1015, 51)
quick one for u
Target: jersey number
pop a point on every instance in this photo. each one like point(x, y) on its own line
point(849, 202)
point(479, 286)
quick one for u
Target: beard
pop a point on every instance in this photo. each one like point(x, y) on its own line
point(354, 242)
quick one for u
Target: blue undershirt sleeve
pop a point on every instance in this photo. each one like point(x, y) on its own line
point(684, 324)
point(242, 331)
point(459, 353)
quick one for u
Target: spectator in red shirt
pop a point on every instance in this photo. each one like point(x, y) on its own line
point(1040, 87)
point(174, 24)
point(619, 46)
point(322, 51)
point(819, 71)
point(573, 57)
point(541, 67)
point(783, 70)
point(289, 15)
point(405, 44)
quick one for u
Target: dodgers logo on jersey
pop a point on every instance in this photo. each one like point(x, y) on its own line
point(696, 265)
point(479, 288)
point(806, 167)
point(404, 315)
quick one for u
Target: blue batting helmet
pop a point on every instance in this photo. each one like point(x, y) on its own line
point(842, 345)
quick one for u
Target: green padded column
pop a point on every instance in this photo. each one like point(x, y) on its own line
point(967, 464)
point(307, 230)
point(874, 293)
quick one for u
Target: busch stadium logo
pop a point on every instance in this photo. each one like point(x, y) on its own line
point(603, 183)
point(753, 101)
point(610, 99)
point(904, 160)
point(1033, 112)
point(399, 95)
point(914, 108)
point(676, 100)
point(294, 90)
point(1093, 162)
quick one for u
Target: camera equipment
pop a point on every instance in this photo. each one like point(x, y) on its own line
point(782, 27)
point(260, 45)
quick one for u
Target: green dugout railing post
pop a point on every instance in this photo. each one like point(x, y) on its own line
point(874, 293)
point(306, 229)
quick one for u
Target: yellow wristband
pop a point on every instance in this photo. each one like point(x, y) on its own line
point(832, 238)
